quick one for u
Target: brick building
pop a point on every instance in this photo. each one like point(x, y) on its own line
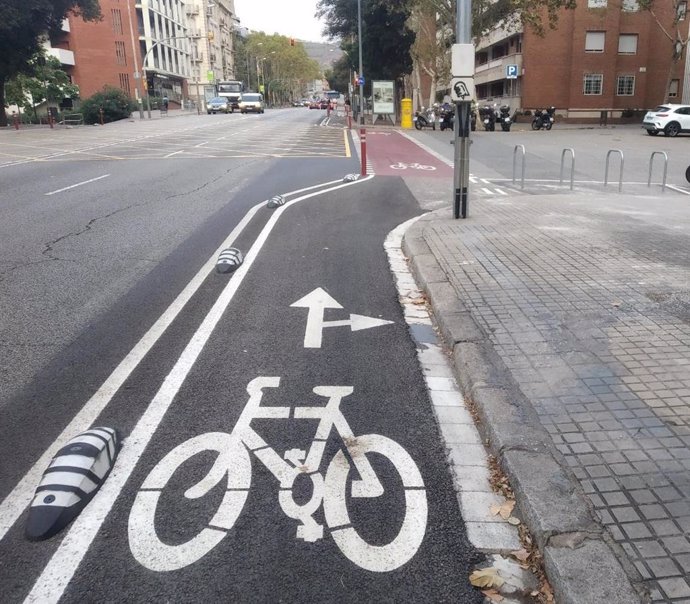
point(174, 48)
point(604, 56)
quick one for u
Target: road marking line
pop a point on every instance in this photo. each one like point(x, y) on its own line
point(59, 571)
point(19, 498)
point(174, 153)
point(79, 184)
point(347, 144)
point(486, 190)
point(678, 189)
point(501, 191)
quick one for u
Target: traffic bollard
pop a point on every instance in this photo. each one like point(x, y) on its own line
point(363, 141)
point(100, 115)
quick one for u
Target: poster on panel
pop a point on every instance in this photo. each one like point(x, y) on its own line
point(384, 103)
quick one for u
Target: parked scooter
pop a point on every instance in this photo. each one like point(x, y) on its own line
point(488, 116)
point(426, 118)
point(447, 115)
point(543, 118)
point(504, 118)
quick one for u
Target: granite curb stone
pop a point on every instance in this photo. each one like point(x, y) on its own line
point(582, 564)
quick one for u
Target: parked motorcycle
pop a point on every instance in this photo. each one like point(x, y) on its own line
point(504, 118)
point(488, 116)
point(447, 115)
point(543, 118)
point(426, 118)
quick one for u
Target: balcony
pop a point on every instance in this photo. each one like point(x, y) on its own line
point(496, 69)
point(66, 57)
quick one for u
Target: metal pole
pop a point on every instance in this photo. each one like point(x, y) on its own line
point(137, 74)
point(361, 81)
point(461, 171)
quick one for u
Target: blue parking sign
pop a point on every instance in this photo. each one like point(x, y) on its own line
point(511, 72)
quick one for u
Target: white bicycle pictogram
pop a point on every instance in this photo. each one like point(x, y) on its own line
point(234, 465)
point(415, 166)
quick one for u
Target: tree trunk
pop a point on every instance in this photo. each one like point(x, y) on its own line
point(3, 113)
point(432, 91)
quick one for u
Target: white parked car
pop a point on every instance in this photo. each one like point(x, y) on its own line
point(669, 119)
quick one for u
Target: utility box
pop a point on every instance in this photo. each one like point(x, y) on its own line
point(406, 113)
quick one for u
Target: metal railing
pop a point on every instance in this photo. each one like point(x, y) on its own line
point(572, 166)
point(606, 172)
point(651, 163)
point(522, 180)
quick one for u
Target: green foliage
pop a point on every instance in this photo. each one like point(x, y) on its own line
point(386, 37)
point(46, 81)
point(22, 25)
point(115, 103)
point(283, 67)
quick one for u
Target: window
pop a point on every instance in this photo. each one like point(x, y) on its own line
point(592, 83)
point(673, 89)
point(625, 85)
point(117, 20)
point(124, 82)
point(594, 41)
point(596, 3)
point(627, 44)
point(682, 10)
point(120, 53)
point(631, 6)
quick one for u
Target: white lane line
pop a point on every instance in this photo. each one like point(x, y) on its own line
point(486, 182)
point(174, 153)
point(501, 191)
point(487, 191)
point(678, 189)
point(59, 571)
point(14, 504)
point(79, 184)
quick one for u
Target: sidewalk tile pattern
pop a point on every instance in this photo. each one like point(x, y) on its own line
point(593, 321)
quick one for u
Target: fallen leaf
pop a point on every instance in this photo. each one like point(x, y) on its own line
point(486, 577)
point(616, 304)
point(504, 510)
point(513, 520)
point(521, 554)
point(493, 595)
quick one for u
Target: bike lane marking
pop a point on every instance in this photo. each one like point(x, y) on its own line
point(20, 497)
point(57, 574)
point(384, 152)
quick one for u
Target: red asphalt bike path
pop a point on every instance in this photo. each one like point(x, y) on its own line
point(392, 154)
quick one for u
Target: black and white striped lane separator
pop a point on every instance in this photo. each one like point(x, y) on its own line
point(71, 480)
point(229, 260)
point(276, 201)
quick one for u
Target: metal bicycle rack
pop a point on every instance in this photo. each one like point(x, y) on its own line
point(572, 166)
point(522, 147)
point(651, 163)
point(606, 172)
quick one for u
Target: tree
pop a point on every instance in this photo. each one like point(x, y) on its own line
point(24, 24)
point(46, 81)
point(386, 37)
point(670, 27)
point(285, 67)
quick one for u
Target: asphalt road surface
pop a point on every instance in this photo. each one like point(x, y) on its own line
point(279, 444)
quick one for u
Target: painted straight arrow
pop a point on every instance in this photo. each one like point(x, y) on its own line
point(317, 302)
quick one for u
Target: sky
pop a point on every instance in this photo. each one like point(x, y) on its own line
point(291, 18)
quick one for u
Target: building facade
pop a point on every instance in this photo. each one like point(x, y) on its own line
point(172, 48)
point(605, 56)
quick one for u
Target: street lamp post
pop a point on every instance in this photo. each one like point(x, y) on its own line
point(143, 66)
point(361, 78)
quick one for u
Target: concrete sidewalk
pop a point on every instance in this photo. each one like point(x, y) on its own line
point(568, 318)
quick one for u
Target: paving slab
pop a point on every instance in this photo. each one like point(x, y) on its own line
point(571, 327)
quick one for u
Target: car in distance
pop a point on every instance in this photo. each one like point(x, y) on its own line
point(252, 102)
point(669, 119)
point(218, 104)
point(314, 104)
